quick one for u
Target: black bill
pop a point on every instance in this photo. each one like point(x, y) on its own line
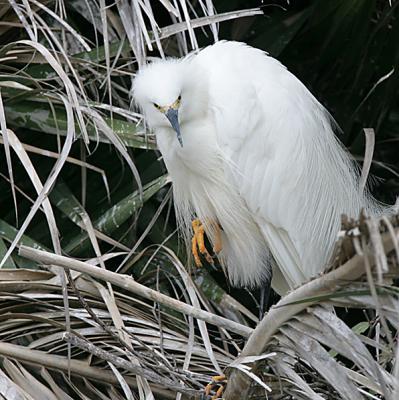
point(172, 116)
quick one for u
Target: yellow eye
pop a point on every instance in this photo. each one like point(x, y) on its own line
point(176, 104)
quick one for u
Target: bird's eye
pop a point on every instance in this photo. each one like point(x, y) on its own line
point(157, 106)
point(176, 104)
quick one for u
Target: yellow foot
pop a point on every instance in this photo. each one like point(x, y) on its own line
point(198, 242)
point(216, 386)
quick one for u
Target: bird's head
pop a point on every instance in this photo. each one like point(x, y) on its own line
point(162, 91)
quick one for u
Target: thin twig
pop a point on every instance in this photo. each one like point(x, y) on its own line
point(122, 342)
point(77, 367)
point(119, 362)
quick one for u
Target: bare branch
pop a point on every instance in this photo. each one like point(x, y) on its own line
point(119, 362)
point(128, 283)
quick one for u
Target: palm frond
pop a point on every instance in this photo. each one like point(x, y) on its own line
point(313, 344)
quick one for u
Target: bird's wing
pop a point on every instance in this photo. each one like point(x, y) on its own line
point(260, 112)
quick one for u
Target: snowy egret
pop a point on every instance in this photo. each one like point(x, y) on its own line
point(253, 160)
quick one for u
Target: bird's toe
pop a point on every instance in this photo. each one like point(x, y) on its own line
point(216, 387)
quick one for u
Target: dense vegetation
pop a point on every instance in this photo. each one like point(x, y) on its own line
point(69, 130)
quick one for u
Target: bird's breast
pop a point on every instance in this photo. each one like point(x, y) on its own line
point(199, 153)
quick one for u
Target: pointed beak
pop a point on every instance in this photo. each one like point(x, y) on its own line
point(172, 116)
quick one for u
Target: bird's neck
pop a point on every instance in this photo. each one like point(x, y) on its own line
point(199, 148)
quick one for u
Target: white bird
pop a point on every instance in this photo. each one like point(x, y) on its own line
point(252, 154)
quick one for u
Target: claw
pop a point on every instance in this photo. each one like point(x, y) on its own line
point(208, 389)
point(198, 243)
point(218, 393)
point(217, 381)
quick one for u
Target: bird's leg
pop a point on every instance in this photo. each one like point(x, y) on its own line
point(218, 381)
point(265, 290)
point(198, 241)
point(217, 246)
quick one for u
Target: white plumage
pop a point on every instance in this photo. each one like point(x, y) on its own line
point(259, 157)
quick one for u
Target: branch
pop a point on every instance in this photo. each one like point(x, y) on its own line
point(128, 283)
point(121, 363)
point(76, 367)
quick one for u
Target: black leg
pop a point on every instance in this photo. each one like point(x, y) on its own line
point(265, 290)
